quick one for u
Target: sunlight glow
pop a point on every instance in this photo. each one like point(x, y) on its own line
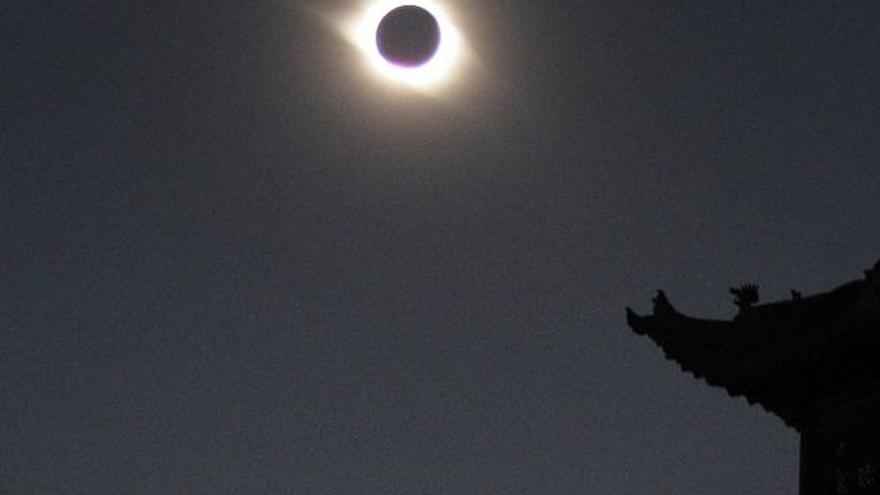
point(361, 32)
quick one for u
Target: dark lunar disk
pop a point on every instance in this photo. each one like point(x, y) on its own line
point(408, 36)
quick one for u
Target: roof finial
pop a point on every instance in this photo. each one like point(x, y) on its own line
point(745, 296)
point(662, 306)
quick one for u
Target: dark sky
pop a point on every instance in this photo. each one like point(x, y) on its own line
point(234, 263)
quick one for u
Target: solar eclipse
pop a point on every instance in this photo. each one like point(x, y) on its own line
point(414, 44)
point(408, 35)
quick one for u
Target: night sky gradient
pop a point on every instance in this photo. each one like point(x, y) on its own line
point(234, 262)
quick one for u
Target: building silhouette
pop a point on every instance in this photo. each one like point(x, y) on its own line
point(814, 361)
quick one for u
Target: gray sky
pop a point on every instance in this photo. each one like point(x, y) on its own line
point(234, 262)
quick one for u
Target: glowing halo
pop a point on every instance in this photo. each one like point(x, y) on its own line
point(430, 75)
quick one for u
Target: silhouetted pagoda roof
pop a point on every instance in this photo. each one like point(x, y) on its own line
point(789, 356)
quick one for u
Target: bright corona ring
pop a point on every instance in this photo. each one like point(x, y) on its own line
point(413, 43)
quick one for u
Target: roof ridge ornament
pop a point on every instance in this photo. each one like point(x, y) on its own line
point(745, 296)
point(662, 306)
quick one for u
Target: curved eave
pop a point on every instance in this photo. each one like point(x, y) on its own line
point(778, 355)
point(725, 354)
